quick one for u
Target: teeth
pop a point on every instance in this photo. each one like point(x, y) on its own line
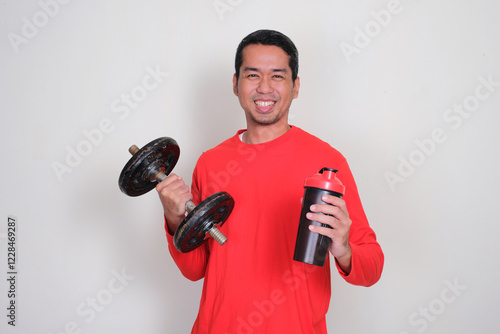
point(264, 103)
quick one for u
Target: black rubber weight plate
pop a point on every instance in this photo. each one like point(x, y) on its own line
point(214, 210)
point(135, 177)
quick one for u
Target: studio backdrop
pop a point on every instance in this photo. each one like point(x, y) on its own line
point(407, 90)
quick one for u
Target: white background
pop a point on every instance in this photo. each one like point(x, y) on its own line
point(65, 69)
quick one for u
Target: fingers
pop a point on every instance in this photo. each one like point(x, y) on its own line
point(334, 201)
point(333, 213)
point(173, 186)
point(173, 193)
point(171, 181)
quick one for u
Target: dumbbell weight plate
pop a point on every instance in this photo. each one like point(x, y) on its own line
point(214, 210)
point(161, 153)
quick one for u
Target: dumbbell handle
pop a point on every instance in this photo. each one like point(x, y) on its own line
point(160, 176)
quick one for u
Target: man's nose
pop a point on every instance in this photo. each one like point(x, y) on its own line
point(265, 86)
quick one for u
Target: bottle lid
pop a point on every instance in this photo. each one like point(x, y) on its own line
point(326, 179)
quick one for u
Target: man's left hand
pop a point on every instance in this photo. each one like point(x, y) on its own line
point(336, 216)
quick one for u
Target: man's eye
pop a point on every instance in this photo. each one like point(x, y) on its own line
point(252, 76)
point(277, 76)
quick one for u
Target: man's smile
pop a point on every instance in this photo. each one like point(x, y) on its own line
point(264, 105)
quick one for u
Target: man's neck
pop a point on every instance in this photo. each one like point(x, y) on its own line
point(259, 135)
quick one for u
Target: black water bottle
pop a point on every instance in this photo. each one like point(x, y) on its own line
point(311, 247)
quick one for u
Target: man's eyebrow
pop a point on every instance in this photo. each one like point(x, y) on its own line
point(251, 69)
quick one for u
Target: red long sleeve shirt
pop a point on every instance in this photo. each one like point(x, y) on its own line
point(252, 284)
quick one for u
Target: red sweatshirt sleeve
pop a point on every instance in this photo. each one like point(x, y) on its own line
point(367, 256)
point(193, 264)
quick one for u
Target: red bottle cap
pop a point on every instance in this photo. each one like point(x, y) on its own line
point(326, 179)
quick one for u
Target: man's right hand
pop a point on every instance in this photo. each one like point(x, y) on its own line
point(174, 194)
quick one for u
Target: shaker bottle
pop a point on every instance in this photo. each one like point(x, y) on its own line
point(311, 247)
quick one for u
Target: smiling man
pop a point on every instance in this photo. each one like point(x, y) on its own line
point(252, 284)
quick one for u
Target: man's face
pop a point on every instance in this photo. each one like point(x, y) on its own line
point(265, 88)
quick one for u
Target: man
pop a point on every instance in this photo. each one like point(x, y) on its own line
point(252, 284)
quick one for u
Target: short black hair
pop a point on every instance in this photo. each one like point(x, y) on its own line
point(269, 37)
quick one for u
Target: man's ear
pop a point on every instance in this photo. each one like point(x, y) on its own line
point(296, 86)
point(235, 85)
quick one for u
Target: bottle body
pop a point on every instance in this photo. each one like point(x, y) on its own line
point(312, 247)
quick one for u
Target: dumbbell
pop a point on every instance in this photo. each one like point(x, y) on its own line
point(153, 163)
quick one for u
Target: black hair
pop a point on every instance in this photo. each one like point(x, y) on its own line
point(269, 37)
